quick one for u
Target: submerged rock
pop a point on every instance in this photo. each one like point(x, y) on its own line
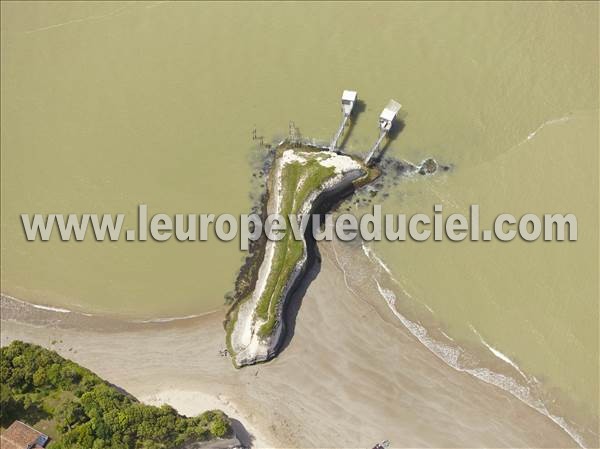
point(428, 166)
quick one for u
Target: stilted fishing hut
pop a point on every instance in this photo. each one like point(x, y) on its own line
point(349, 98)
point(386, 120)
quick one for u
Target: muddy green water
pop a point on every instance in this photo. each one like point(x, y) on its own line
point(108, 105)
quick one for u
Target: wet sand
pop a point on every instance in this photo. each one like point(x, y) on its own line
point(351, 376)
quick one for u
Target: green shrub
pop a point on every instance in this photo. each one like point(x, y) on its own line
point(88, 412)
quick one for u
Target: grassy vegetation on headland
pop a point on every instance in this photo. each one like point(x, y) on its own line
point(298, 181)
point(79, 410)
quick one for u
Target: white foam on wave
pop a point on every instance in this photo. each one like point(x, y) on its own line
point(553, 121)
point(65, 311)
point(532, 134)
point(371, 255)
point(170, 319)
point(451, 355)
point(447, 353)
point(446, 335)
point(375, 258)
point(51, 309)
point(498, 353)
point(38, 306)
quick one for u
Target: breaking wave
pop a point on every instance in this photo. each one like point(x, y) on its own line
point(38, 306)
point(451, 355)
point(171, 319)
point(100, 315)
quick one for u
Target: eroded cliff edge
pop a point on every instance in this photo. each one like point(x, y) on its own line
point(301, 179)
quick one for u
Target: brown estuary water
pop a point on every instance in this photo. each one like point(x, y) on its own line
point(108, 105)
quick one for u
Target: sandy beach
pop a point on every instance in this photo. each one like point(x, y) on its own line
point(352, 375)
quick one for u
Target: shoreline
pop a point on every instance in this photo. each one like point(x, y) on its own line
point(351, 375)
point(107, 316)
point(72, 338)
point(493, 367)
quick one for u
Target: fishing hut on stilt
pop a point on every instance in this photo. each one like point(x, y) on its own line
point(386, 120)
point(349, 98)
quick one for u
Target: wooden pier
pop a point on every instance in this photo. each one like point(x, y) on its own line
point(349, 98)
point(386, 120)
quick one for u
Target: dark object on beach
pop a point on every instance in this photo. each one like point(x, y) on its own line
point(383, 445)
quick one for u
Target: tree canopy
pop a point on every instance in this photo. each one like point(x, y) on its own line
point(86, 412)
